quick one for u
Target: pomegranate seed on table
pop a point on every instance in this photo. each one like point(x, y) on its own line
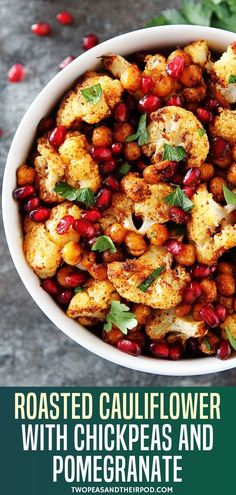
point(201, 271)
point(65, 223)
point(176, 352)
point(189, 191)
point(111, 182)
point(31, 204)
point(178, 215)
point(174, 100)
point(103, 199)
point(1, 132)
point(90, 41)
point(41, 214)
point(224, 350)
point(121, 112)
point(57, 136)
point(92, 215)
point(173, 246)
point(192, 292)
point(175, 68)
point(149, 103)
point(16, 73)
point(204, 115)
point(84, 228)
point(159, 349)
point(147, 84)
point(50, 286)
point(129, 347)
point(64, 297)
point(219, 147)
point(108, 166)
point(46, 124)
point(220, 311)
point(101, 154)
point(116, 149)
point(41, 29)
point(75, 279)
point(192, 177)
point(209, 316)
point(23, 192)
point(66, 62)
point(65, 17)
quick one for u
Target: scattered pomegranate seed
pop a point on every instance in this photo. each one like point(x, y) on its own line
point(220, 311)
point(111, 182)
point(159, 349)
point(65, 223)
point(169, 171)
point(41, 29)
point(192, 292)
point(23, 192)
point(201, 271)
point(219, 147)
point(224, 350)
point(147, 84)
point(84, 228)
point(16, 73)
point(92, 215)
point(90, 41)
point(121, 112)
point(208, 314)
point(192, 177)
point(50, 286)
point(75, 279)
point(64, 297)
point(212, 104)
point(101, 154)
point(174, 100)
point(177, 177)
point(103, 199)
point(66, 62)
point(116, 149)
point(108, 166)
point(176, 352)
point(90, 242)
point(31, 204)
point(41, 214)
point(58, 135)
point(204, 115)
point(46, 124)
point(149, 103)
point(129, 347)
point(178, 215)
point(173, 246)
point(189, 191)
point(175, 68)
point(65, 17)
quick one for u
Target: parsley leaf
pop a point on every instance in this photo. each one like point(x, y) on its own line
point(142, 133)
point(92, 94)
point(230, 196)
point(79, 289)
point(121, 316)
point(232, 79)
point(83, 195)
point(103, 243)
point(231, 339)
point(174, 153)
point(201, 132)
point(197, 13)
point(207, 344)
point(149, 280)
point(124, 169)
point(179, 198)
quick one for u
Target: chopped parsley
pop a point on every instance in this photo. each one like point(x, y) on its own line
point(232, 79)
point(83, 195)
point(142, 133)
point(179, 198)
point(121, 316)
point(104, 243)
point(230, 338)
point(149, 280)
point(230, 196)
point(174, 153)
point(92, 94)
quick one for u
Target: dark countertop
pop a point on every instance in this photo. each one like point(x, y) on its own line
point(33, 351)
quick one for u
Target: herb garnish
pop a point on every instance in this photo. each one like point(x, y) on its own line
point(174, 153)
point(83, 195)
point(124, 169)
point(230, 196)
point(79, 289)
point(207, 344)
point(179, 198)
point(104, 243)
point(142, 133)
point(231, 339)
point(92, 94)
point(201, 132)
point(149, 280)
point(232, 79)
point(121, 316)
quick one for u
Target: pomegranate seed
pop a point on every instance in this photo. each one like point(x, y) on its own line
point(16, 73)
point(65, 17)
point(64, 297)
point(189, 191)
point(224, 350)
point(50, 286)
point(169, 171)
point(46, 124)
point(108, 166)
point(178, 215)
point(116, 149)
point(192, 292)
point(209, 315)
point(58, 135)
point(204, 115)
point(211, 104)
point(41, 214)
point(101, 154)
point(177, 177)
point(66, 62)
point(147, 84)
point(103, 199)
point(121, 112)
point(220, 311)
point(140, 165)
point(23, 192)
point(175, 68)
point(174, 101)
point(149, 103)
point(129, 347)
point(90, 41)
point(111, 182)
point(219, 147)
point(31, 204)
point(90, 242)
point(159, 349)
point(65, 223)
point(84, 228)
point(173, 246)
point(201, 271)
point(92, 215)
point(192, 177)
point(1, 132)
point(176, 352)
point(41, 29)
point(75, 279)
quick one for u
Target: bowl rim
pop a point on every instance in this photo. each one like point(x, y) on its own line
point(11, 220)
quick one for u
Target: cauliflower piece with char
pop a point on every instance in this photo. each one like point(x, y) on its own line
point(164, 293)
point(199, 52)
point(57, 213)
point(50, 170)
point(75, 107)
point(224, 125)
point(41, 253)
point(177, 127)
point(222, 70)
point(230, 323)
point(155, 65)
point(162, 323)
point(94, 302)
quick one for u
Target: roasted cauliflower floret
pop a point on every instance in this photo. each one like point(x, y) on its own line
point(41, 253)
point(57, 213)
point(75, 107)
point(155, 65)
point(50, 170)
point(224, 125)
point(230, 324)
point(223, 69)
point(177, 127)
point(199, 52)
point(206, 217)
point(164, 293)
point(94, 302)
point(163, 322)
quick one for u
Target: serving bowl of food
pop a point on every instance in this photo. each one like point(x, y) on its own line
point(119, 202)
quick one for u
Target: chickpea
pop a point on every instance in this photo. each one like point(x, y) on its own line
point(182, 309)
point(142, 312)
point(195, 94)
point(132, 151)
point(135, 243)
point(180, 53)
point(25, 175)
point(231, 174)
point(163, 86)
point(216, 188)
point(233, 152)
point(122, 131)
point(228, 302)
point(113, 336)
point(102, 136)
point(116, 232)
point(196, 311)
point(207, 171)
point(157, 234)
point(187, 256)
point(72, 253)
point(224, 267)
point(225, 284)
point(191, 76)
point(151, 174)
point(85, 321)
point(109, 257)
point(223, 162)
point(213, 343)
point(62, 274)
point(209, 291)
point(131, 78)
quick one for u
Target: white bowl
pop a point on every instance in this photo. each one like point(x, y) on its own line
point(159, 38)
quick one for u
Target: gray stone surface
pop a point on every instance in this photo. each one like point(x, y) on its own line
point(33, 351)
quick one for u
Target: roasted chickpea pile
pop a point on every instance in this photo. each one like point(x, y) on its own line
point(128, 202)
